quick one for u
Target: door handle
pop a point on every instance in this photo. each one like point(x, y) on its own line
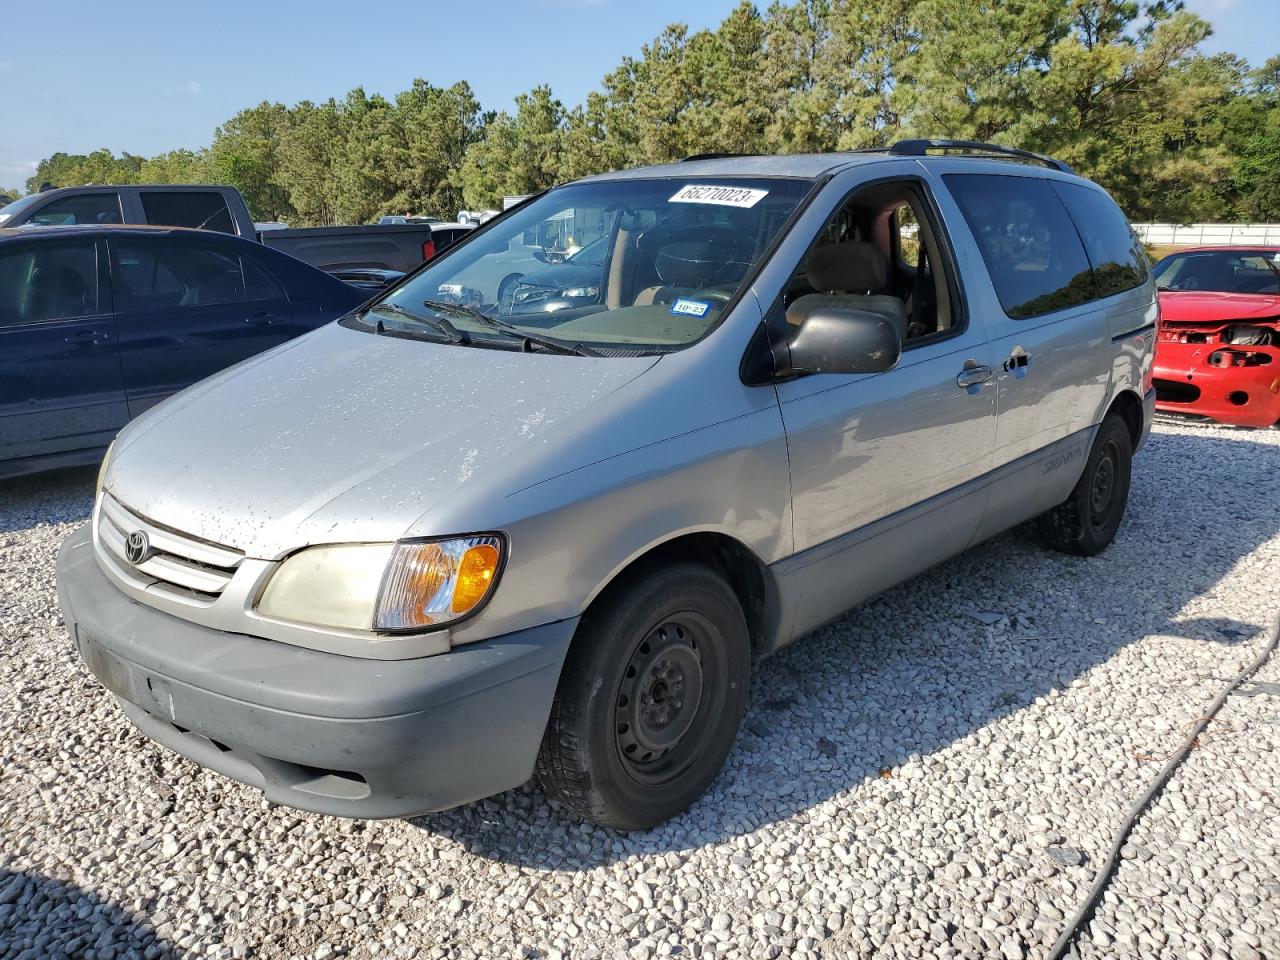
point(974, 374)
point(261, 319)
point(86, 338)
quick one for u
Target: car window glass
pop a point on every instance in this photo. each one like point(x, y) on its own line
point(168, 275)
point(48, 282)
point(202, 209)
point(1119, 262)
point(675, 252)
point(1033, 254)
point(86, 208)
point(877, 253)
point(1220, 271)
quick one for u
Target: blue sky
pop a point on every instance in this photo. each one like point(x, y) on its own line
point(150, 76)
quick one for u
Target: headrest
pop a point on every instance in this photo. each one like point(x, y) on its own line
point(689, 263)
point(854, 266)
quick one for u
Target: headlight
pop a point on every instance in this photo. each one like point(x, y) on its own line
point(392, 587)
point(575, 292)
point(102, 470)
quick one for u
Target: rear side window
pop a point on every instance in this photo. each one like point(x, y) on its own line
point(1031, 248)
point(204, 210)
point(86, 208)
point(168, 275)
point(447, 238)
point(1119, 262)
point(48, 281)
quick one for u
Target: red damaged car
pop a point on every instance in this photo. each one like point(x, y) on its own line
point(1218, 353)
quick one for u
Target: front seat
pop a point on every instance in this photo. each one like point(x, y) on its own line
point(848, 275)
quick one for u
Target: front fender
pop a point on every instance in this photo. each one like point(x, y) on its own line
point(570, 536)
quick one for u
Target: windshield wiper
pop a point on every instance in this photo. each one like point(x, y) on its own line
point(551, 343)
point(438, 323)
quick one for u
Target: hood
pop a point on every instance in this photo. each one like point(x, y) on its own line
point(1195, 306)
point(346, 436)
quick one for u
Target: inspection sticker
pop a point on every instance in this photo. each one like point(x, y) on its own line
point(721, 196)
point(690, 308)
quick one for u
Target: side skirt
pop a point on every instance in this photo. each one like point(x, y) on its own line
point(821, 583)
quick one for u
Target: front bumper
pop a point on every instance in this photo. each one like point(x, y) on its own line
point(318, 731)
point(1187, 383)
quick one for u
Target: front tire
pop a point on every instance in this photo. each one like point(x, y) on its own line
point(1087, 521)
point(650, 700)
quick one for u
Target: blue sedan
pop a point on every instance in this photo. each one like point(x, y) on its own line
point(99, 323)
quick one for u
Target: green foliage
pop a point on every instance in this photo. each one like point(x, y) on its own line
point(1118, 88)
point(101, 166)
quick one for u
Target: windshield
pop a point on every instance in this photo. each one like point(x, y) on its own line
point(609, 266)
point(11, 210)
point(1221, 271)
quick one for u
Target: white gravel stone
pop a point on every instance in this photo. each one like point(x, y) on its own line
point(900, 783)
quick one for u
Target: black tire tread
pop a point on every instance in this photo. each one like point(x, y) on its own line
point(563, 763)
point(1065, 527)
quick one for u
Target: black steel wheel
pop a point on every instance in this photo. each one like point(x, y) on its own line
point(1087, 521)
point(650, 699)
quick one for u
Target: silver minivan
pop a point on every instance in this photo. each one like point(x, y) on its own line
point(411, 558)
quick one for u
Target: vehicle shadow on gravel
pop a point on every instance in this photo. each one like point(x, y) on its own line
point(59, 497)
point(933, 660)
point(41, 917)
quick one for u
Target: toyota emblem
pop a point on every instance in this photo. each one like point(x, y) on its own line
point(137, 548)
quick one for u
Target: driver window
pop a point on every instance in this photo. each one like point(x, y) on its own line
point(879, 253)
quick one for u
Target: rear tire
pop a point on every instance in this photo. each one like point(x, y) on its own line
point(1086, 522)
point(650, 700)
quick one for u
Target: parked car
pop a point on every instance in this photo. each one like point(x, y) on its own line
point(422, 551)
point(398, 246)
point(400, 219)
point(98, 324)
point(1219, 351)
point(550, 288)
point(204, 206)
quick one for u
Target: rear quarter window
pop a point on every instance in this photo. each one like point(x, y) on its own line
point(1119, 262)
point(1028, 242)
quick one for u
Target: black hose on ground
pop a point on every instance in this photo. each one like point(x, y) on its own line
point(1086, 910)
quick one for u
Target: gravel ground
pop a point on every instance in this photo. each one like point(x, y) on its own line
point(938, 774)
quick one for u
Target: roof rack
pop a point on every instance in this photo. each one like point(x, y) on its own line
point(920, 148)
point(716, 156)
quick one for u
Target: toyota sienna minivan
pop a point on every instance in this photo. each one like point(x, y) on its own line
point(414, 557)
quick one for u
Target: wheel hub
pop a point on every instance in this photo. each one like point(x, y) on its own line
point(1103, 482)
point(659, 696)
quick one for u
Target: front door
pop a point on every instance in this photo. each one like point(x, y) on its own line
point(888, 456)
point(60, 383)
point(188, 306)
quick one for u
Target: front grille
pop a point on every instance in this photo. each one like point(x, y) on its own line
point(1172, 391)
point(175, 562)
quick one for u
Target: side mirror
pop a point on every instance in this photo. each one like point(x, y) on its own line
point(829, 339)
point(540, 254)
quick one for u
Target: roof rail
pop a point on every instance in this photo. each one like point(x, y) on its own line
point(920, 148)
point(716, 156)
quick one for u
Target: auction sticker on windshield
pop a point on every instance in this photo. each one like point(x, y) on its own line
point(722, 196)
